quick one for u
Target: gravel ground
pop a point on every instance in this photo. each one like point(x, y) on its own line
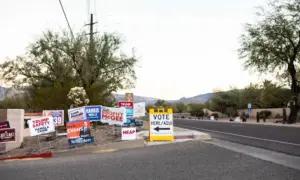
point(102, 135)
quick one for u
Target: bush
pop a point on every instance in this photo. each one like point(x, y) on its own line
point(196, 110)
point(265, 114)
point(278, 116)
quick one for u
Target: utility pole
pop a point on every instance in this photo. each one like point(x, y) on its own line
point(89, 64)
point(91, 43)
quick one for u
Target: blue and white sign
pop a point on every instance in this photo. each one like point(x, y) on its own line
point(58, 116)
point(249, 108)
point(93, 113)
point(81, 140)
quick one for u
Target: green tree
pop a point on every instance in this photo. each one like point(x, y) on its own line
point(161, 103)
point(196, 110)
point(179, 107)
point(251, 94)
point(273, 96)
point(273, 44)
point(56, 62)
point(226, 102)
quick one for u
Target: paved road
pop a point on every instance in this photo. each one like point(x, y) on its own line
point(278, 138)
point(189, 160)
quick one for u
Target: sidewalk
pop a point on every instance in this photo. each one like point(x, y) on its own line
point(180, 135)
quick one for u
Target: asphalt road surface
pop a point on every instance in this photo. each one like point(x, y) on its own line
point(276, 138)
point(189, 160)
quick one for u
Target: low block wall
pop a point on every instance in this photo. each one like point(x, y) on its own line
point(15, 117)
point(275, 112)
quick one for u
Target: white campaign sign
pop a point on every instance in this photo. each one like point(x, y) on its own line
point(129, 133)
point(113, 116)
point(41, 125)
point(161, 124)
point(139, 109)
point(76, 114)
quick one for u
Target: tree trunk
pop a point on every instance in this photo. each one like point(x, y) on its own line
point(294, 106)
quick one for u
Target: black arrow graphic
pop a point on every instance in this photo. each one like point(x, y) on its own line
point(158, 128)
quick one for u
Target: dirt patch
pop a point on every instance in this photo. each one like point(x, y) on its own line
point(31, 145)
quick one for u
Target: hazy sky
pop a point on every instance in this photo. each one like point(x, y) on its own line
point(185, 47)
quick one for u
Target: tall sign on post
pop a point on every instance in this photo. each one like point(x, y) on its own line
point(161, 124)
point(249, 108)
point(129, 109)
point(129, 97)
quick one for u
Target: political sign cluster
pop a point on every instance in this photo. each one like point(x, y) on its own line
point(80, 119)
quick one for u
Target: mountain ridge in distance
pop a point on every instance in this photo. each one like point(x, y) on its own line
point(201, 98)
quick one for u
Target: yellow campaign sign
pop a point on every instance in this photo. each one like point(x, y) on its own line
point(161, 124)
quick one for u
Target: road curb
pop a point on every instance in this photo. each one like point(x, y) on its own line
point(39, 155)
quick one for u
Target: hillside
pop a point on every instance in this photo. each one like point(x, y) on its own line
point(202, 98)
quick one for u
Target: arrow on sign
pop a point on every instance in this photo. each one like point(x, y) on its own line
point(158, 128)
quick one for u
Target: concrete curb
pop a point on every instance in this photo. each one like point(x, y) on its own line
point(31, 156)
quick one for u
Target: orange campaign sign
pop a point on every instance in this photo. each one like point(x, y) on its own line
point(77, 129)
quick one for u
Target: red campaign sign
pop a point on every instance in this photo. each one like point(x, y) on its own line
point(77, 129)
point(126, 104)
point(4, 125)
point(7, 135)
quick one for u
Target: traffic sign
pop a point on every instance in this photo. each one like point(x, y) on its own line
point(161, 124)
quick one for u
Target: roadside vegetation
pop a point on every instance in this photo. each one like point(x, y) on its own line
point(57, 62)
point(261, 96)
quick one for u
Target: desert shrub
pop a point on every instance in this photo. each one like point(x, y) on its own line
point(278, 116)
point(265, 114)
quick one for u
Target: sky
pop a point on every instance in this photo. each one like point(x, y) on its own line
point(184, 47)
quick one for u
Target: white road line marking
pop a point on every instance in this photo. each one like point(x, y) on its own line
point(244, 136)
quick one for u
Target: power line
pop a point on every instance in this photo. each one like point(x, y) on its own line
point(62, 8)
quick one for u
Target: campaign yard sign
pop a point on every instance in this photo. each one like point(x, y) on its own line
point(78, 129)
point(79, 132)
point(139, 109)
point(129, 109)
point(76, 114)
point(4, 125)
point(128, 134)
point(113, 116)
point(83, 140)
point(161, 124)
point(57, 115)
point(7, 134)
point(92, 113)
point(41, 125)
